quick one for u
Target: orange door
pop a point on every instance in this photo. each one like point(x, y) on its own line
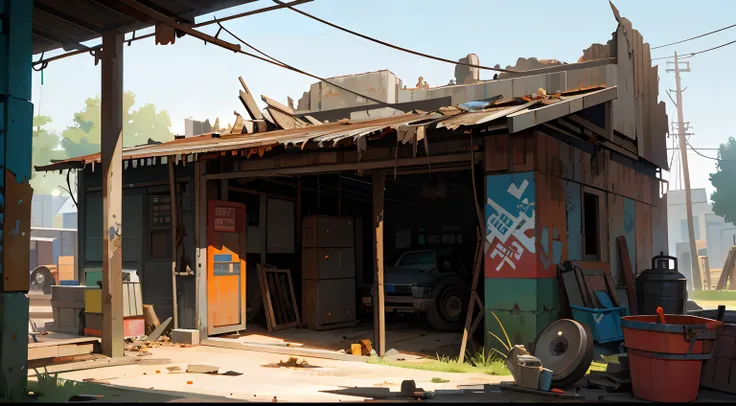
point(225, 267)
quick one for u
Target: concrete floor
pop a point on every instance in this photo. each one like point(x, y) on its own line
point(262, 383)
point(406, 336)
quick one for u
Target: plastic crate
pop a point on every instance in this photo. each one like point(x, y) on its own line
point(605, 324)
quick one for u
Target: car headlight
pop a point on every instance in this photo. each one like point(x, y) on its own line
point(420, 291)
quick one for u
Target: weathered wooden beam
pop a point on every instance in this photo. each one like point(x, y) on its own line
point(379, 299)
point(174, 250)
point(111, 147)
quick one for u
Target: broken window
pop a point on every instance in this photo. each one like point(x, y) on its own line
point(591, 224)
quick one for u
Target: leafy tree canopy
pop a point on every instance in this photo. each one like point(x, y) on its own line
point(139, 126)
point(724, 197)
point(45, 149)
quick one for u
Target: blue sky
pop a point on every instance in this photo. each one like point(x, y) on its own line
point(191, 79)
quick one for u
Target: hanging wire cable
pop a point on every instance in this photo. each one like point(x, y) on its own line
point(690, 55)
point(695, 37)
point(384, 43)
point(705, 156)
point(278, 63)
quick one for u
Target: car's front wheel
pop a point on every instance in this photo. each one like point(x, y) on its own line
point(448, 311)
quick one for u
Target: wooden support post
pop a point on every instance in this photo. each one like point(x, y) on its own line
point(111, 146)
point(200, 186)
point(379, 309)
point(174, 248)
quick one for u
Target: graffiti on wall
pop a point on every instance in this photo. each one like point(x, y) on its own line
point(510, 240)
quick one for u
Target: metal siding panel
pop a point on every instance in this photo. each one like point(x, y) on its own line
point(574, 218)
point(659, 229)
point(14, 357)
point(510, 235)
point(93, 228)
point(20, 45)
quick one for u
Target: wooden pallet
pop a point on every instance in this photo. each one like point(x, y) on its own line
point(62, 348)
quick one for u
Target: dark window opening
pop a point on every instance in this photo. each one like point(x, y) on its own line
point(591, 221)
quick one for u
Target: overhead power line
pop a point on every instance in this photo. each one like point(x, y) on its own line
point(44, 62)
point(705, 156)
point(690, 55)
point(695, 37)
point(384, 43)
point(280, 64)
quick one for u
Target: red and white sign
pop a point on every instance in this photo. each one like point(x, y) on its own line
point(225, 219)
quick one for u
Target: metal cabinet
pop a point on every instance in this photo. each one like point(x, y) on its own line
point(328, 272)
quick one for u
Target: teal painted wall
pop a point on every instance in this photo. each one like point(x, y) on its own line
point(630, 229)
point(16, 134)
point(525, 306)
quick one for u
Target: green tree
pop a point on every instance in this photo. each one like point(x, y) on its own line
point(83, 137)
point(724, 197)
point(45, 149)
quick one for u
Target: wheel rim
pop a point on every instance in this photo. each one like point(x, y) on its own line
point(452, 307)
point(561, 347)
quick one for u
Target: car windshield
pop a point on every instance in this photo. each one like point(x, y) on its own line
point(418, 260)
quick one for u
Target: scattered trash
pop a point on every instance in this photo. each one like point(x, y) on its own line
point(202, 369)
point(292, 362)
point(356, 349)
point(173, 369)
point(231, 373)
point(156, 334)
point(440, 380)
point(190, 383)
point(391, 353)
point(158, 372)
point(366, 347)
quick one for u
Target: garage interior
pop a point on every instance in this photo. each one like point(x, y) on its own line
point(427, 210)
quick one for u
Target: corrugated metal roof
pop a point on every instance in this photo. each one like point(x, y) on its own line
point(355, 132)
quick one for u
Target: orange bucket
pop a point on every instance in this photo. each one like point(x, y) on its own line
point(666, 360)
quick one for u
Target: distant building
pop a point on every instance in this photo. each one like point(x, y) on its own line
point(45, 211)
point(713, 235)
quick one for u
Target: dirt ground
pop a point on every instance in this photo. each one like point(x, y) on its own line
point(261, 382)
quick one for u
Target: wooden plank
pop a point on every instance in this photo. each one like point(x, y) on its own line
point(284, 120)
point(312, 120)
point(496, 153)
point(111, 141)
point(101, 363)
point(278, 106)
point(69, 341)
point(468, 330)
point(238, 125)
point(266, 295)
point(59, 351)
point(174, 237)
point(616, 228)
point(379, 309)
point(246, 97)
point(284, 350)
point(623, 249)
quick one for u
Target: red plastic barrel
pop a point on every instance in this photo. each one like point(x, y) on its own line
point(666, 360)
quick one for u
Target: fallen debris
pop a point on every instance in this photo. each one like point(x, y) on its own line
point(174, 369)
point(202, 369)
point(154, 336)
point(292, 362)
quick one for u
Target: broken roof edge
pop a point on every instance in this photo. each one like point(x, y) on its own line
point(333, 133)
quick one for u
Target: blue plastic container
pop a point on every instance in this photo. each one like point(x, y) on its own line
point(545, 380)
point(70, 282)
point(605, 324)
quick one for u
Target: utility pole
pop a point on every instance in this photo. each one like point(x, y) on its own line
point(697, 282)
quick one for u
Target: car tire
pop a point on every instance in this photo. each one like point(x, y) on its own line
point(447, 312)
point(41, 279)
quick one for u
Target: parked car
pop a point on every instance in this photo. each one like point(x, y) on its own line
point(429, 281)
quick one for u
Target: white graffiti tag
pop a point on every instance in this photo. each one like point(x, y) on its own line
point(501, 225)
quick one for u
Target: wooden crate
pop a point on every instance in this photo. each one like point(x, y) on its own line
point(719, 372)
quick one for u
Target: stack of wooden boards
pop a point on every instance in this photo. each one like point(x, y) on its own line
point(133, 320)
point(728, 271)
point(275, 116)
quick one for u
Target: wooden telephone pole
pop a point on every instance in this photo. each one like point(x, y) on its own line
point(697, 282)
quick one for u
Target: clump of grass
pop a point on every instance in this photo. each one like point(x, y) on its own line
point(506, 344)
point(481, 362)
point(440, 380)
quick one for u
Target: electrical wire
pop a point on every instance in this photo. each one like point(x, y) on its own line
point(384, 43)
point(695, 37)
point(690, 55)
point(278, 63)
point(705, 156)
point(44, 62)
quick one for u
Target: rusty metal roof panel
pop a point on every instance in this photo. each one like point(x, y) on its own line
point(357, 132)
